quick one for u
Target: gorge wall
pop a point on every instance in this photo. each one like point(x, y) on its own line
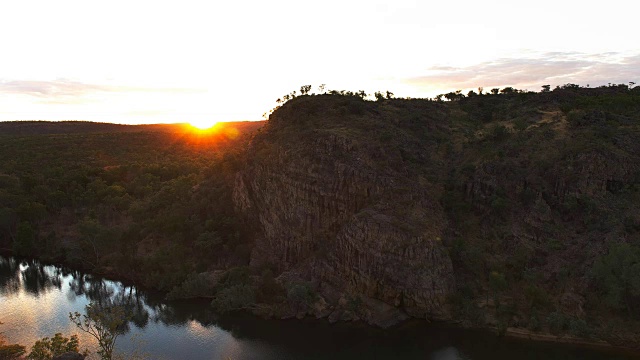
point(493, 210)
point(328, 207)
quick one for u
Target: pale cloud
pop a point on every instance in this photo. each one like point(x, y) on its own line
point(533, 71)
point(69, 91)
point(231, 60)
point(53, 88)
point(149, 112)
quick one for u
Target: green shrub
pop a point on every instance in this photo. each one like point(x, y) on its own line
point(354, 303)
point(499, 205)
point(300, 294)
point(536, 296)
point(579, 327)
point(48, 348)
point(235, 276)
point(534, 321)
point(11, 351)
point(554, 244)
point(236, 297)
point(499, 133)
point(269, 288)
point(497, 284)
point(557, 322)
point(195, 285)
point(618, 276)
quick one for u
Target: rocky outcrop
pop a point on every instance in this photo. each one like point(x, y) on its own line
point(426, 209)
point(328, 205)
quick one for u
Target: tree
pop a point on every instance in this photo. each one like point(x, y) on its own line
point(451, 96)
point(104, 323)
point(497, 283)
point(379, 96)
point(454, 96)
point(31, 211)
point(571, 86)
point(10, 351)
point(495, 91)
point(7, 221)
point(546, 88)
point(97, 236)
point(304, 90)
point(25, 239)
point(236, 297)
point(508, 90)
point(618, 275)
point(47, 349)
point(300, 295)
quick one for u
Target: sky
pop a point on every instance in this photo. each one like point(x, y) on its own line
point(207, 61)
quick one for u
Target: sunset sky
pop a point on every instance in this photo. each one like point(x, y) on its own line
point(182, 61)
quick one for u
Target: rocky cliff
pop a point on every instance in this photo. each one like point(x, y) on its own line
point(334, 205)
point(495, 210)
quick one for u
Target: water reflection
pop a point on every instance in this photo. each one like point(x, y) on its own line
point(35, 301)
point(448, 353)
point(27, 275)
point(36, 279)
point(9, 276)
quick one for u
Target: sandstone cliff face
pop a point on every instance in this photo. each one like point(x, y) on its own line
point(326, 205)
point(417, 207)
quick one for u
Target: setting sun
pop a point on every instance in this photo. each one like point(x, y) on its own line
point(203, 124)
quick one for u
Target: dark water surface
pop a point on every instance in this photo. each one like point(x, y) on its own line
point(35, 301)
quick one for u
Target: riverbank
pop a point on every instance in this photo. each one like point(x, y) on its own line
point(414, 338)
point(513, 334)
point(596, 344)
point(619, 344)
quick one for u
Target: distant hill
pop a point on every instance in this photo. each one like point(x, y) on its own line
point(88, 127)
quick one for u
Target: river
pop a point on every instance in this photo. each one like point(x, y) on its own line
point(35, 301)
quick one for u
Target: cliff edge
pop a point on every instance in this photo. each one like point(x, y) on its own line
point(514, 210)
point(334, 204)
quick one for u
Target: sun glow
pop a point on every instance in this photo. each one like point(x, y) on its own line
point(203, 124)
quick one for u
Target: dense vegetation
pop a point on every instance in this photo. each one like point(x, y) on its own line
point(541, 192)
point(135, 204)
point(543, 202)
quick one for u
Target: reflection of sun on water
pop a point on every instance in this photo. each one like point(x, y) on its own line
point(202, 332)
